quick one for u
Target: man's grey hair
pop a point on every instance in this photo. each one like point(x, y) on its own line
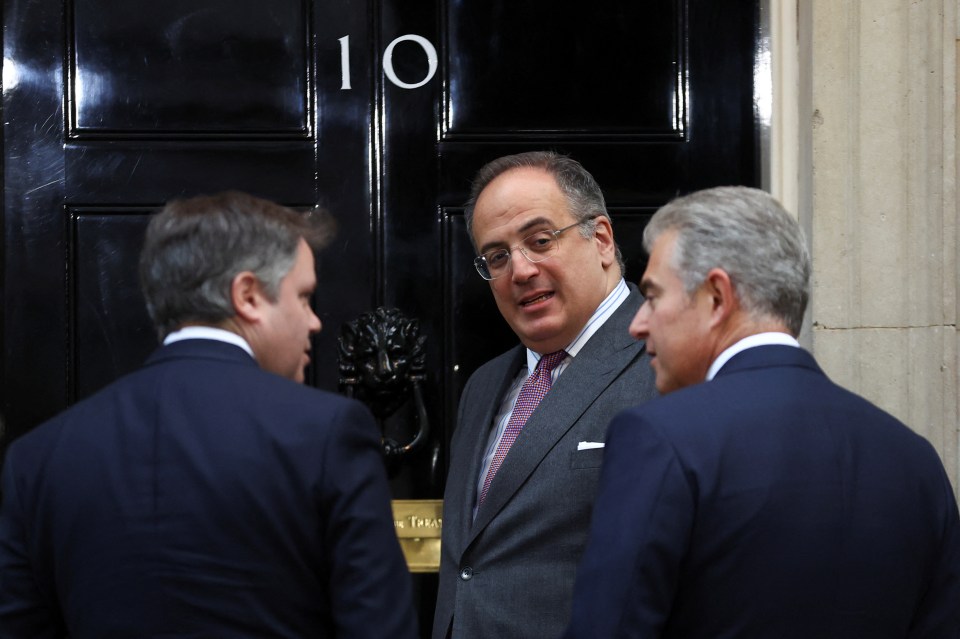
point(195, 247)
point(584, 197)
point(748, 234)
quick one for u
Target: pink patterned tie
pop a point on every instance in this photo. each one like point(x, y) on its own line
point(533, 390)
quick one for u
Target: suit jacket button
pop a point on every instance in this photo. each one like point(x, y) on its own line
point(466, 573)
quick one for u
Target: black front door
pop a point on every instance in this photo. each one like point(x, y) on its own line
point(379, 111)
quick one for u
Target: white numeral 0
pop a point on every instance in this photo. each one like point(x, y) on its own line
point(431, 61)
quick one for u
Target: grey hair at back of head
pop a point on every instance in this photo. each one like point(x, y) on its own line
point(584, 197)
point(748, 234)
point(195, 247)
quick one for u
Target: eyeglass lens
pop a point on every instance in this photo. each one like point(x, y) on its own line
point(535, 248)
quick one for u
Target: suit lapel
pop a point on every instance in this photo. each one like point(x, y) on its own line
point(478, 423)
point(596, 366)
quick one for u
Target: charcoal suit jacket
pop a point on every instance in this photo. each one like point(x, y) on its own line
point(769, 502)
point(509, 573)
point(201, 496)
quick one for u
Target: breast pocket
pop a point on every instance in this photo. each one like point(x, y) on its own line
point(590, 458)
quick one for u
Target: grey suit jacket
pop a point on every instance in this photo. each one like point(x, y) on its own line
point(509, 573)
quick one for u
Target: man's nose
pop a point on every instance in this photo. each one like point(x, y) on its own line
point(314, 325)
point(522, 268)
point(639, 327)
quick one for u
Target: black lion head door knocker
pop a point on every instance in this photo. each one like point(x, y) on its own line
point(382, 362)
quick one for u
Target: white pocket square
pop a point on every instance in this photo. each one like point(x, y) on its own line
point(589, 445)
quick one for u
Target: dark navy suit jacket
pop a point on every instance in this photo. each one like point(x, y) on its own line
point(201, 497)
point(769, 502)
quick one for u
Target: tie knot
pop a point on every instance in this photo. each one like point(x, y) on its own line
point(550, 361)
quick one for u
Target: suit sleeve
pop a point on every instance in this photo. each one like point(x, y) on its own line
point(24, 610)
point(370, 585)
point(938, 614)
point(641, 524)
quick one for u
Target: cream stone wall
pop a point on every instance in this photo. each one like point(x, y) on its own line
point(869, 162)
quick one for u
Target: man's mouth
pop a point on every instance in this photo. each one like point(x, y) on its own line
point(537, 299)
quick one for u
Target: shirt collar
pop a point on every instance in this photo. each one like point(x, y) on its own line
point(760, 339)
point(208, 332)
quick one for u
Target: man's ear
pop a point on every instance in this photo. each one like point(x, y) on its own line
point(247, 296)
point(722, 295)
point(603, 233)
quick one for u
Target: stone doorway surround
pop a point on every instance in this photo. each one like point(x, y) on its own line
point(861, 144)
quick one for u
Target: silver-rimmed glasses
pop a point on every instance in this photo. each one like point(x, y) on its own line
point(536, 248)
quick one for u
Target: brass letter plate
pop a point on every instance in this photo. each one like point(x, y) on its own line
point(418, 523)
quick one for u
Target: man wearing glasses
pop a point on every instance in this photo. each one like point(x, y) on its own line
point(527, 449)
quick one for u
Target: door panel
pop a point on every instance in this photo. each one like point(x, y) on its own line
point(233, 73)
point(616, 70)
point(110, 330)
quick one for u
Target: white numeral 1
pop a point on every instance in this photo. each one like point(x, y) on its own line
point(345, 62)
